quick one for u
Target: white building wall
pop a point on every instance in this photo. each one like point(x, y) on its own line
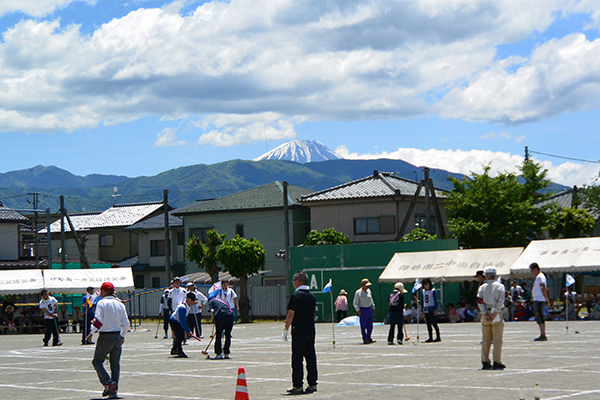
point(9, 242)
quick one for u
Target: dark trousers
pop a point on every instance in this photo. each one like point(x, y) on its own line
point(108, 344)
point(396, 319)
point(223, 323)
point(87, 326)
point(177, 330)
point(366, 322)
point(194, 321)
point(432, 323)
point(341, 314)
point(51, 330)
point(166, 319)
point(303, 348)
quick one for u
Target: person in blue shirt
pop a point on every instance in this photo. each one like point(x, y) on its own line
point(430, 306)
point(179, 326)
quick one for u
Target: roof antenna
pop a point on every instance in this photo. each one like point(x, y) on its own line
point(115, 195)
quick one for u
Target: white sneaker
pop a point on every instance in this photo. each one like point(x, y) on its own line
point(219, 357)
point(227, 357)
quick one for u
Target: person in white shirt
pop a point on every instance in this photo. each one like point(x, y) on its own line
point(490, 299)
point(164, 311)
point(48, 305)
point(229, 297)
point(194, 317)
point(111, 321)
point(540, 299)
point(177, 293)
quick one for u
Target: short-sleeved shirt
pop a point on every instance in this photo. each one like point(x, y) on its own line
point(49, 305)
point(536, 291)
point(396, 302)
point(303, 303)
point(228, 295)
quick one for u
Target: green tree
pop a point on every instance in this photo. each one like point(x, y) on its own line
point(329, 236)
point(204, 255)
point(418, 234)
point(589, 198)
point(242, 258)
point(487, 211)
point(565, 222)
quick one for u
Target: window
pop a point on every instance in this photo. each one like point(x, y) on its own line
point(200, 233)
point(420, 222)
point(156, 281)
point(139, 282)
point(382, 225)
point(239, 230)
point(180, 239)
point(107, 240)
point(157, 248)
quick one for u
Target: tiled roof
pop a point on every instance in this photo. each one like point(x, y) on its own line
point(265, 196)
point(8, 215)
point(118, 216)
point(158, 222)
point(563, 199)
point(380, 184)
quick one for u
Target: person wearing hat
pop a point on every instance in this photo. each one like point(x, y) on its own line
point(396, 316)
point(341, 305)
point(194, 317)
point(179, 325)
point(111, 323)
point(48, 306)
point(364, 305)
point(89, 307)
point(177, 293)
point(490, 299)
point(164, 310)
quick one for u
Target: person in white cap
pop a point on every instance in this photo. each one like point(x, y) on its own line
point(490, 299)
point(396, 312)
point(364, 305)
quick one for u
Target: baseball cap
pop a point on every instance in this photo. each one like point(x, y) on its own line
point(109, 287)
point(490, 271)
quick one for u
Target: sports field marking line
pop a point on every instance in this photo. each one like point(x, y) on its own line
point(97, 391)
point(568, 396)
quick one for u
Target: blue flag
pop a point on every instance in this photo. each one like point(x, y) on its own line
point(417, 286)
point(329, 287)
point(215, 290)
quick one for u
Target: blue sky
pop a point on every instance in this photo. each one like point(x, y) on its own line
point(139, 87)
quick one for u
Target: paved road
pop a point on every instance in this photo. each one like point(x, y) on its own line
point(566, 367)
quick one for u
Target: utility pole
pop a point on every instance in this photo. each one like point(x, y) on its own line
point(526, 154)
point(286, 238)
point(167, 241)
point(427, 203)
point(35, 201)
point(49, 238)
point(63, 261)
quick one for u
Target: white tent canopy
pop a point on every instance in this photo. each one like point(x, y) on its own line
point(560, 255)
point(21, 281)
point(73, 281)
point(448, 265)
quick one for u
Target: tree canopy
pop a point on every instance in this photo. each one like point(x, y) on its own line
point(328, 237)
point(418, 234)
point(204, 255)
point(487, 211)
point(241, 258)
point(565, 222)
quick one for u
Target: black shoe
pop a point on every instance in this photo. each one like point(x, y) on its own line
point(430, 340)
point(372, 341)
point(437, 340)
point(45, 344)
point(295, 390)
point(400, 343)
point(486, 365)
point(174, 352)
point(311, 389)
point(541, 339)
point(182, 355)
point(57, 344)
point(497, 365)
point(110, 388)
point(391, 343)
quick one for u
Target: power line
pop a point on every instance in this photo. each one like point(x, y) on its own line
point(565, 158)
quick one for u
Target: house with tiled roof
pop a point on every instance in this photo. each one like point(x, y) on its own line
point(568, 199)
point(106, 236)
point(149, 266)
point(10, 222)
point(253, 213)
point(374, 208)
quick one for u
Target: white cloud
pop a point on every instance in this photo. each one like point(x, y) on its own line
point(503, 135)
point(167, 138)
point(306, 60)
point(465, 162)
point(36, 8)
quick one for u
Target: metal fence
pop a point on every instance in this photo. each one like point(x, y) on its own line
point(265, 301)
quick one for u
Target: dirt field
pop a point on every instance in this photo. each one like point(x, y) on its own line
point(566, 367)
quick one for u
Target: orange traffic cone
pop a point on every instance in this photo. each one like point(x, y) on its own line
point(241, 388)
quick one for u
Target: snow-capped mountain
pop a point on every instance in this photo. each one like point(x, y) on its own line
point(301, 151)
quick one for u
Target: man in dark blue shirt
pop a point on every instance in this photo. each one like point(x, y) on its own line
point(223, 316)
point(301, 316)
